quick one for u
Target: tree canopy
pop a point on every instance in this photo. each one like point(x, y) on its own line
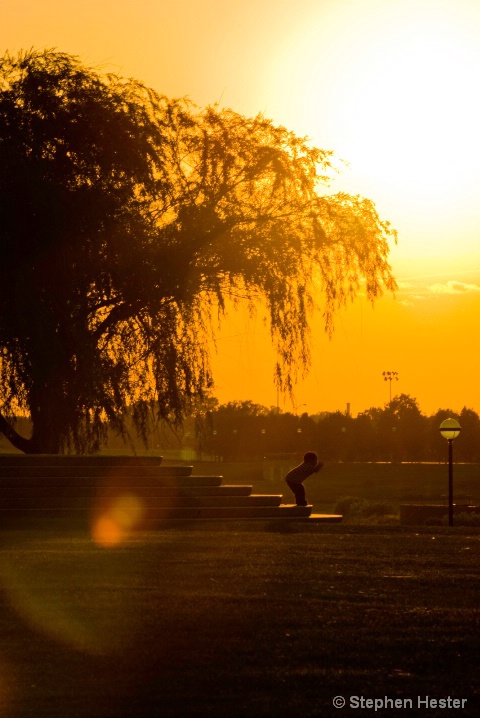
point(127, 221)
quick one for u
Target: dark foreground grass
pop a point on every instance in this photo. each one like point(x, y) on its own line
point(239, 622)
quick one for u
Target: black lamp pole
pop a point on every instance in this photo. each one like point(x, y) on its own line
point(450, 429)
point(450, 482)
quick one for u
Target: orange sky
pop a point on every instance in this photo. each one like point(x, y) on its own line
point(390, 85)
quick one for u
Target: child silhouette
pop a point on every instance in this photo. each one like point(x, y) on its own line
point(297, 476)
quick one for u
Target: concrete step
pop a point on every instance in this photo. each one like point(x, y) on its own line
point(79, 491)
point(238, 512)
point(279, 522)
point(88, 491)
point(214, 502)
point(91, 470)
point(82, 460)
point(112, 481)
point(325, 518)
point(149, 504)
point(156, 515)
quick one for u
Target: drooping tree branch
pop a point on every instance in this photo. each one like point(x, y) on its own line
point(125, 217)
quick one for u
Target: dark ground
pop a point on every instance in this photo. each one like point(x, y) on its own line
point(239, 620)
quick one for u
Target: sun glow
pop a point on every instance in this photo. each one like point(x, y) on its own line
point(417, 117)
point(391, 90)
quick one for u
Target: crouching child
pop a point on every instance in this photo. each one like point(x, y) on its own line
point(297, 476)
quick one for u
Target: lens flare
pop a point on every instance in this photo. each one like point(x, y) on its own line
point(122, 516)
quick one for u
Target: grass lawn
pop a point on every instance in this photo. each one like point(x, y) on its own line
point(245, 620)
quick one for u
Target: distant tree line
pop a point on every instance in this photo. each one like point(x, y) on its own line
point(244, 430)
point(397, 432)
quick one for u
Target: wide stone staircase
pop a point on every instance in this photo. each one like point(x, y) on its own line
point(125, 493)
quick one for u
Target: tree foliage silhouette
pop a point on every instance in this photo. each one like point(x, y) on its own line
point(127, 221)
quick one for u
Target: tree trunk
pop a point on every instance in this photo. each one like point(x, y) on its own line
point(18, 441)
point(44, 439)
point(43, 442)
point(48, 429)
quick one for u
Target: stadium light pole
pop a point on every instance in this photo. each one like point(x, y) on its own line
point(390, 376)
point(450, 429)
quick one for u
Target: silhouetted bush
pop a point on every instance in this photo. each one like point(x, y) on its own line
point(352, 507)
point(463, 518)
point(349, 506)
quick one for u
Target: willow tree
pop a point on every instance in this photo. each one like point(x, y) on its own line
point(127, 221)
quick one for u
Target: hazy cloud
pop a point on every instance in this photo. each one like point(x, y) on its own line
point(404, 286)
point(452, 287)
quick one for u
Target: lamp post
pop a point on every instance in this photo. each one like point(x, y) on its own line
point(298, 446)
point(263, 433)
point(343, 451)
point(450, 429)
